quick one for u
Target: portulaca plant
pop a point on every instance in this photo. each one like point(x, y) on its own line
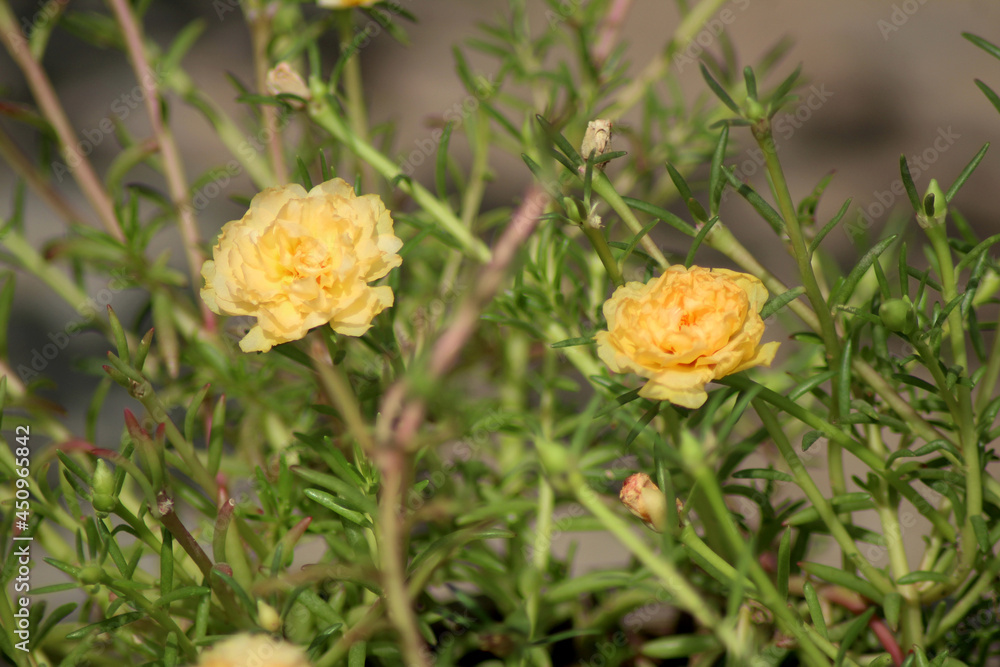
point(370, 418)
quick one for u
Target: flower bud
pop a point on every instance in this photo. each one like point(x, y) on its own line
point(645, 500)
point(934, 207)
point(282, 79)
point(267, 617)
point(898, 315)
point(91, 574)
point(597, 139)
point(103, 483)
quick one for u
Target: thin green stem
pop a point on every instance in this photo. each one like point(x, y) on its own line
point(173, 166)
point(324, 115)
point(899, 405)
point(48, 102)
point(685, 595)
point(818, 500)
point(988, 381)
point(965, 418)
point(779, 185)
point(714, 504)
point(600, 244)
point(357, 114)
point(887, 506)
point(606, 190)
point(540, 553)
point(395, 464)
point(337, 386)
point(972, 597)
point(260, 22)
point(762, 133)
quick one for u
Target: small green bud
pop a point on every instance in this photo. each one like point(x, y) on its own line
point(103, 480)
point(267, 617)
point(554, 457)
point(755, 110)
point(934, 208)
point(91, 574)
point(103, 483)
point(898, 316)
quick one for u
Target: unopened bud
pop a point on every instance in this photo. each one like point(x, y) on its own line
point(934, 207)
point(597, 139)
point(267, 617)
point(645, 500)
point(91, 574)
point(282, 79)
point(898, 315)
point(103, 483)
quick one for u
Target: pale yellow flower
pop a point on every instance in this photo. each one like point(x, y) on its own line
point(299, 260)
point(684, 329)
point(246, 650)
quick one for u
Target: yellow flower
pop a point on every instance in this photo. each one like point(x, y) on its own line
point(685, 329)
point(298, 260)
point(246, 650)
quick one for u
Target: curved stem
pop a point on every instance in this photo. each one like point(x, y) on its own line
point(685, 595)
point(711, 502)
point(45, 95)
point(260, 35)
point(819, 501)
point(324, 115)
point(173, 167)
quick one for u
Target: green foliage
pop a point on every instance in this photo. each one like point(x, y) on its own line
point(416, 495)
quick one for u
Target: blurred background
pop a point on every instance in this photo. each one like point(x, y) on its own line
point(881, 79)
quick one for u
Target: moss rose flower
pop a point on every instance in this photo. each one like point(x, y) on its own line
point(298, 260)
point(244, 650)
point(685, 329)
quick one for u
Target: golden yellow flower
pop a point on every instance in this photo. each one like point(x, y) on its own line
point(246, 650)
point(685, 329)
point(298, 260)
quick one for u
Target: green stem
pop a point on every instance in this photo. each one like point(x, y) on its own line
point(887, 506)
point(965, 417)
point(357, 114)
point(988, 381)
point(260, 22)
point(395, 464)
point(324, 115)
point(673, 581)
point(48, 102)
point(762, 133)
point(600, 244)
point(779, 185)
point(540, 554)
point(819, 501)
point(899, 405)
point(604, 188)
point(972, 597)
point(714, 504)
point(338, 387)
